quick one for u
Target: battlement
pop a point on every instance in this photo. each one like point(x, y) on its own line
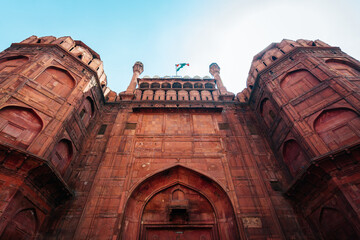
point(76, 48)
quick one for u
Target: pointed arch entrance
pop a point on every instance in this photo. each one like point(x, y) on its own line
point(179, 203)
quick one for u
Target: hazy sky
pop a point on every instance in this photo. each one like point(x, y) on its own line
point(161, 33)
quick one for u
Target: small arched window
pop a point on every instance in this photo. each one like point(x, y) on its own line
point(144, 85)
point(294, 157)
point(267, 111)
point(178, 195)
point(188, 85)
point(198, 85)
point(87, 111)
point(209, 85)
point(62, 155)
point(165, 85)
point(176, 85)
point(155, 85)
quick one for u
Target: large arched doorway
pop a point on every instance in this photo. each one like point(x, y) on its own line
point(179, 203)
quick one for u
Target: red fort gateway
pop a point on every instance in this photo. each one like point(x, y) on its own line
point(179, 158)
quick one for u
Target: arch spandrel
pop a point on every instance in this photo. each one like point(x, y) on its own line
point(226, 224)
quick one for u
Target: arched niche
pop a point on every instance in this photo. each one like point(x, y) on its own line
point(166, 85)
point(171, 95)
point(267, 111)
point(187, 85)
point(10, 63)
point(338, 127)
point(198, 85)
point(194, 95)
point(61, 155)
point(176, 85)
point(335, 226)
point(19, 126)
point(175, 206)
point(87, 111)
point(155, 85)
point(199, 191)
point(343, 68)
point(22, 226)
point(209, 85)
point(206, 95)
point(183, 95)
point(148, 95)
point(294, 157)
point(57, 80)
point(159, 95)
point(297, 83)
point(144, 85)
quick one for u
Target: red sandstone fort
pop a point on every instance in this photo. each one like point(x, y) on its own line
point(179, 157)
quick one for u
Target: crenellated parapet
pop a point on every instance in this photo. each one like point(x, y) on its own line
point(76, 48)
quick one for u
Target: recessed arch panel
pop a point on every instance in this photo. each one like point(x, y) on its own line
point(196, 188)
point(343, 68)
point(57, 80)
point(297, 83)
point(294, 157)
point(338, 127)
point(19, 126)
point(10, 63)
point(335, 226)
point(22, 226)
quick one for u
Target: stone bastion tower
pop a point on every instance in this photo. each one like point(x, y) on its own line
point(179, 157)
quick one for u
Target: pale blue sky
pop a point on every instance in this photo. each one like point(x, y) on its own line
point(162, 33)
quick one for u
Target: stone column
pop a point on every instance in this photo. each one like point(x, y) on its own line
point(138, 68)
point(214, 70)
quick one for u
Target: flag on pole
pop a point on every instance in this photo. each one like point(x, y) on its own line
point(180, 66)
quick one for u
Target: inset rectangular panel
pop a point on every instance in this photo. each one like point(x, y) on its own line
point(207, 147)
point(152, 124)
point(145, 146)
point(178, 147)
point(203, 124)
point(177, 124)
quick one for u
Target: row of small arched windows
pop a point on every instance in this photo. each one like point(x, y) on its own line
point(177, 85)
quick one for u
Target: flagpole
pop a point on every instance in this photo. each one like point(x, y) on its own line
point(175, 71)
